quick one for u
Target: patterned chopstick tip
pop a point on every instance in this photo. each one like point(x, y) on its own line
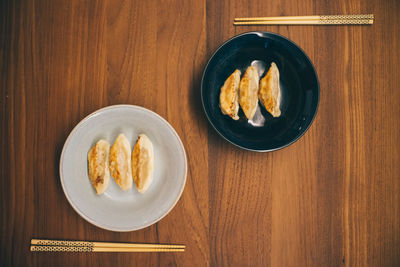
point(347, 17)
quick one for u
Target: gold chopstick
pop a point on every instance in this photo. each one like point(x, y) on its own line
point(108, 245)
point(305, 22)
point(308, 20)
point(316, 17)
point(102, 249)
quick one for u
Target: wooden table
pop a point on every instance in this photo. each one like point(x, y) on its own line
point(330, 199)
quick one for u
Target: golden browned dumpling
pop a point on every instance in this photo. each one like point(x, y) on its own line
point(229, 96)
point(248, 88)
point(98, 166)
point(120, 162)
point(270, 91)
point(143, 163)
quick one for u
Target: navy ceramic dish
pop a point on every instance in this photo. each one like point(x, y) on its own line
point(299, 87)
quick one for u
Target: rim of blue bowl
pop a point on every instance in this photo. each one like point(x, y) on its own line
point(261, 34)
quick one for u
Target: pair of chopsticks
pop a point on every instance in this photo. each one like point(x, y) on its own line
point(307, 20)
point(85, 246)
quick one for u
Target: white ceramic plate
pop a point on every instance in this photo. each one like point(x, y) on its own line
point(118, 210)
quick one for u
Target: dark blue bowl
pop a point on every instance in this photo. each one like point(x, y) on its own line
point(299, 87)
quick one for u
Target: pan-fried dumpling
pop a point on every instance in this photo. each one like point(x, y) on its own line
point(120, 162)
point(248, 88)
point(98, 166)
point(270, 91)
point(229, 96)
point(143, 163)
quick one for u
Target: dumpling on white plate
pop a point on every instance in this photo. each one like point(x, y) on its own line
point(229, 96)
point(270, 91)
point(99, 174)
point(120, 162)
point(248, 88)
point(143, 163)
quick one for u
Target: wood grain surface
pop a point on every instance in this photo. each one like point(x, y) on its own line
point(330, 199)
